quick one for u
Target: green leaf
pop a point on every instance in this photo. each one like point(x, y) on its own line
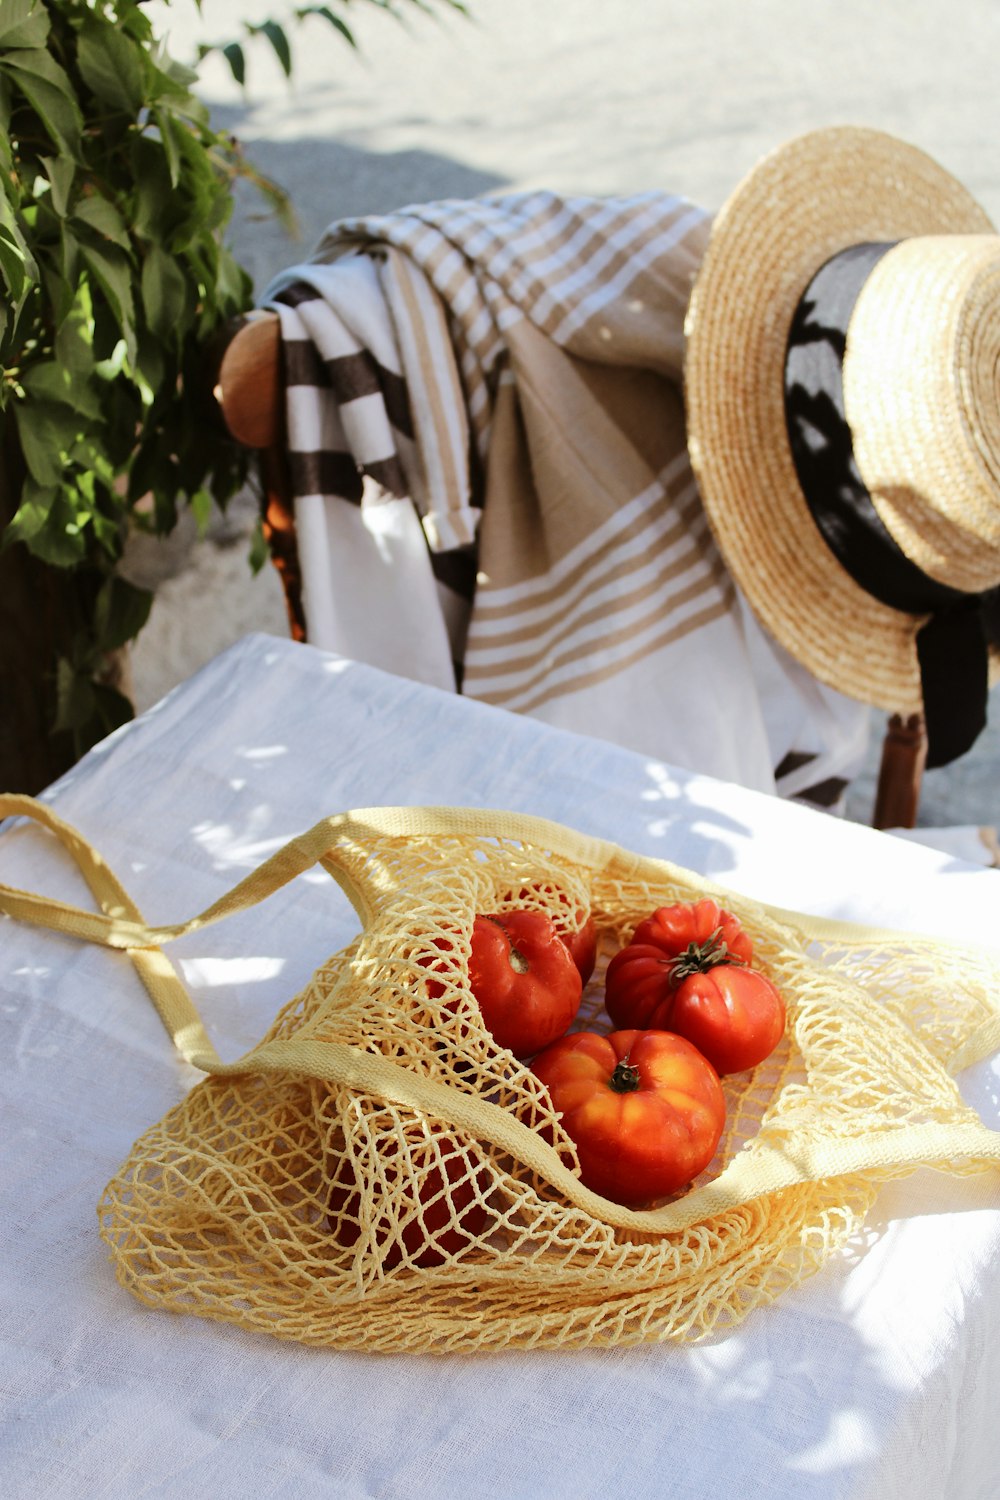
point(48, 525)
point(101, 215)
point(121, 612)
point(112, 66)
point(165, 490)
point(69, 254)
point(23, 23)
point(22, 326)
point(180, 79)
point(74, 350)
point(170, 82)
point(164, 293)
point(201, 508)
point(279, 41)
point(151, 364)
point(170, 137)
point(111, 270)
point(58, 288)
point(233, 286)
point(74, 346)
point(47, 430)
point(61, 172)
point(143, 470)
point(55, 383)
point(50, 93)
point(17, 268)
point(76, 701)
point(151, 179)
point(258, 548)
point(108, 533)
point(30, 517)
point(327, 14)
point(236, 58)
point(138, 24)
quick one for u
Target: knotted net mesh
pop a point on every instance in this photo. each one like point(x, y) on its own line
point(411, 1188)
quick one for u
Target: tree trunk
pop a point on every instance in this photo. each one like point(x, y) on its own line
point(38, 613)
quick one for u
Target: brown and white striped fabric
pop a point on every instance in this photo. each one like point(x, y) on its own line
point(492, 485)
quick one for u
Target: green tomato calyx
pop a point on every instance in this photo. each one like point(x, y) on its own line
point(698, 958)
point(625, 1078)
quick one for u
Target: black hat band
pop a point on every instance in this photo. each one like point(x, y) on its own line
point(952, 646)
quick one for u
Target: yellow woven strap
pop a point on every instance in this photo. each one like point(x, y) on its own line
point(120, 924)
point(162, 982)
point(754, 1173)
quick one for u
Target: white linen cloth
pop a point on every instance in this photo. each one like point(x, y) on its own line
point(520, 358)
point(875, 1380)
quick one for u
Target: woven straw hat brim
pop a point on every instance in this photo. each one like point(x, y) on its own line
point(802, 204)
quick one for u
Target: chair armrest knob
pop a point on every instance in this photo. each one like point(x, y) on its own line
point(248, 388)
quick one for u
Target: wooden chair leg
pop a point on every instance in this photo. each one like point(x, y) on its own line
point(279, 534)
point(904, 752)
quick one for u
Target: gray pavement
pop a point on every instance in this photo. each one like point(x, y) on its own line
point(580, 96)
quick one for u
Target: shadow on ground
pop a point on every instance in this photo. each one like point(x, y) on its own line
point(327, 180)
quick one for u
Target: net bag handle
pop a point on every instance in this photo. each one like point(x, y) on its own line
point(120, 925)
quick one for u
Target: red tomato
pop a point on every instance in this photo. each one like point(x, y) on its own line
point(451, 1212)
point(524, 980)
point(576, 928)
point(675, 928)
point(704, 991)
point(644, 1109)
point(582, 945)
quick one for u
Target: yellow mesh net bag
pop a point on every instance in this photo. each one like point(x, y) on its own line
point(377, 1173)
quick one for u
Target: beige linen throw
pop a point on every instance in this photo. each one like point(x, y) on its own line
point(493, 492)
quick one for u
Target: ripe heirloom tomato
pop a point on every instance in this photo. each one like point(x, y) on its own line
point(582, 945)
point(451, 1212)
point(682, 975)
point(644, 1109)
point(675, 928)
point(575, 926)
point(524, 980)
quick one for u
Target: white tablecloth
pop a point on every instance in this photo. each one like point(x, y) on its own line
point(878, 1377)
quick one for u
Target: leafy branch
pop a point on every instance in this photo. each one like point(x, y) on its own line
point(115, 284)
point(276, 32)
point(114, 192)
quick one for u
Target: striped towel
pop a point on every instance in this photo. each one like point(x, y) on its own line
point(494, 389)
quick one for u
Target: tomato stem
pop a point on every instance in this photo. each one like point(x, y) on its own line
point(625, 1078)
point(515, 957)
point(698, 958)
point(517, 960)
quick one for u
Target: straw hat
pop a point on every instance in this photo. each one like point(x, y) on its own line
point(847, 442)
